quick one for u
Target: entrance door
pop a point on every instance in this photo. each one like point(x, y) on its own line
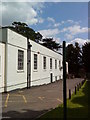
point(51, 77)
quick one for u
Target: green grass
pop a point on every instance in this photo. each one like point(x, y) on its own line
point(77, 107)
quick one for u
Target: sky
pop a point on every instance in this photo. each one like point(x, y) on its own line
point(60, 20)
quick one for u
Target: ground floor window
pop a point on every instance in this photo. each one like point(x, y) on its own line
point(55, 64)
point(20, 60)
point(50, 63)
point(44, 62)
point(35, 61)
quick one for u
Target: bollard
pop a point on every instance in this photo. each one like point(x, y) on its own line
point(69, 93)
point(75, 90)
point(81, 83)
point(77, 87)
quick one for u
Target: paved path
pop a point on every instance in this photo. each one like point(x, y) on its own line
point(31, 103)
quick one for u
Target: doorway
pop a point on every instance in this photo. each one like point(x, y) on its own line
point(51, 77)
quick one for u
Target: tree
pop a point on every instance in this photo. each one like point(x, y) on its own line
point(28, 32)
point(51, 44)
point(86, 56)
point(24, 29)
point(73, 57)
point(38, 37)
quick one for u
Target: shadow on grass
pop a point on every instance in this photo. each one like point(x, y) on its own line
point(77, 107)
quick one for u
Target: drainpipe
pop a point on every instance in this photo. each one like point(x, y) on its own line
point(28, 64)
point(64, 81)
point(5, 69)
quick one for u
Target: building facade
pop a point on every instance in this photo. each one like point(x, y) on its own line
point(25, 63)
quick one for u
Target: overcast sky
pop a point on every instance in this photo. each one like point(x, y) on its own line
point(60, 20)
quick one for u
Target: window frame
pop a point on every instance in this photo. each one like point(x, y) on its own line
point(55, 64)
point(50, 63)
point(44, 62)
point(20, 66)
point(59, 64)
point(35, 62)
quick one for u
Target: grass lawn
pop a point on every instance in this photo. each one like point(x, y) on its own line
point(77, 107)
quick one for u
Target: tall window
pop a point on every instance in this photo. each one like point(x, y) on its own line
point(35, 61)
point(20, 60)
point(55, 64)
point(50, 63)
point(59, 64)
point(44, 62)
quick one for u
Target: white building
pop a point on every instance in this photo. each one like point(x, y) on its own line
point(25, 63)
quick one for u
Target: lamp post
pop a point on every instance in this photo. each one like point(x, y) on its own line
point(64, 82)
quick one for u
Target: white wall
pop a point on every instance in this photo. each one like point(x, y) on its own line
point(15, 79)
point(67, 67)
point(41, 76)
point(18, 79)
point(2, 66)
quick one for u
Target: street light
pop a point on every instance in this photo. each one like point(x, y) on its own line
point(64, 81)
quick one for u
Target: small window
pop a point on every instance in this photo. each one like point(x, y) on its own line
point(20, 60)
point(35, 61)
point(55, 64)
point(44, 62)
point(50, 63)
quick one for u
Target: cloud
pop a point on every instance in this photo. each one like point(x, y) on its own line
point(71, 22)
point(58, 40)
point(50, 19)
point(31, 0)
point(23, 0)
point(81, 41)
point(45, 0)
point(19, 11)
point(71, 31)
point(69, 36)
point(40, 20)
point(76, 29)
point(49, 32)
point(57, 24)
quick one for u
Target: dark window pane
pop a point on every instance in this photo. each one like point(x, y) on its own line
point(20, 59)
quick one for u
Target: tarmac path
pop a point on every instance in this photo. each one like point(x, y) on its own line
point(33, 102)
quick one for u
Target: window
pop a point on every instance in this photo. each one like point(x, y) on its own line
point(35, 61)
point(55, 64)
point(44, 62)
point(59, 64)
point(50, 63)
point(20, 60)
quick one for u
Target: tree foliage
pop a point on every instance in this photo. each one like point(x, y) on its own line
point(86, 56)
point(25, 30)
point(28, 32)
point(51, 44)
point(73, 57)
